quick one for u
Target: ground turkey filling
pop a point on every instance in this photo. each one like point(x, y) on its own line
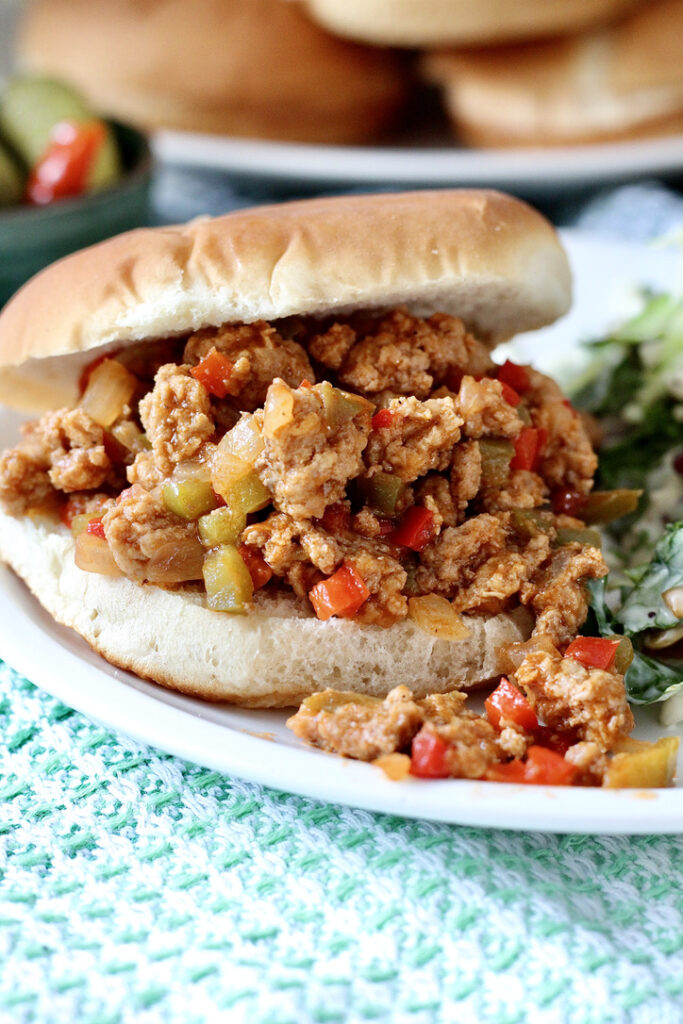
point(378, 468)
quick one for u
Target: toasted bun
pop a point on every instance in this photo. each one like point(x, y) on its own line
point(483, 256)
point(272, 658)
point(460, 22)
point(237, 67)
point(621, 82)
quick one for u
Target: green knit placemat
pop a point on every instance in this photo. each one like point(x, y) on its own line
point(135, 887)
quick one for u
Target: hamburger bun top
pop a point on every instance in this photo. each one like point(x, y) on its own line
point(483, 256)
point(460, 22)
point(258, 68)
point(623, 81)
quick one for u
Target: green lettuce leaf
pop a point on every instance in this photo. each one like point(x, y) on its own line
point(627, 387)
point(644, 608)
point(652, 676)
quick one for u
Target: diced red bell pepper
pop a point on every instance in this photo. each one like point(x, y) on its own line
point(336, 518)
point(542, 767)
point(567, 502)
point(428, 756)
point(594, 651)
point(415, 529)
point(386, 526)
point(509, 394)
point(507, 702)
point(341, 594)
point(96, 527)
point(547, 737)
point(515, 375)
point(383, 418)
point(513, 771)
point(546, 768)
point(64, 167)
point(529, 448)
point(542, 434)
point(259, 570)
point(214, 372)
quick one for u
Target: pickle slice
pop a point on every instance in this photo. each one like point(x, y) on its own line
point(188, 498)
point(229, 586)
point(222, 526)
point(578, 535)
point(29, 109)
point(495, 461)
point(602, 507)
point(382, 491)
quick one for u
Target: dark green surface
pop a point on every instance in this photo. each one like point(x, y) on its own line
point(32, 237)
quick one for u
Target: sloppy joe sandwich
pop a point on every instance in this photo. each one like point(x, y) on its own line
point(416, 23)
point(253, 68)
point(622, 81)
point(275, 454)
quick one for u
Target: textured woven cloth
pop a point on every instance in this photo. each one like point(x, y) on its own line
point(135, 887)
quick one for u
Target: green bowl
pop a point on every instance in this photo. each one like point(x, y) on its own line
point(33, 236)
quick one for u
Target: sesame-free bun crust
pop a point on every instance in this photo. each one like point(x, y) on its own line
point(257, 68)
point(483, 256)
point(624, 81)
point(273, 657)
point(416, 23)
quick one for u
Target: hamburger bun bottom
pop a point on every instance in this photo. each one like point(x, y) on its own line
point(274, 657)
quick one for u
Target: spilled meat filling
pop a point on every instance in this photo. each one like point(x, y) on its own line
point(377, 468)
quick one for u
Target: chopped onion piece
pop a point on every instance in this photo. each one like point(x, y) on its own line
point(244, 440)
point(517, 652)
point(110, 389)
point(237, 483)
point(128, 434)
point(193, 469)
point(227, 471)
point(436, 616)
point(176, 562)
point(93, 554)
point(279, 408)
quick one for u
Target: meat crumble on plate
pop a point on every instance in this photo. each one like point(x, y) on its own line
point(378, 467)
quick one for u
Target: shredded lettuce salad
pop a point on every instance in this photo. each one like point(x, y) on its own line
point(633, 387)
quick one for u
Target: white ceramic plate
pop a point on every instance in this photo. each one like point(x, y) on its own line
point(421, 164)
point(255, 745)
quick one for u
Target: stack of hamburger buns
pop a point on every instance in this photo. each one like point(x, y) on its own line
point(252, 68)
point(532, 72)
point(427, 23)
point(623, 80)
